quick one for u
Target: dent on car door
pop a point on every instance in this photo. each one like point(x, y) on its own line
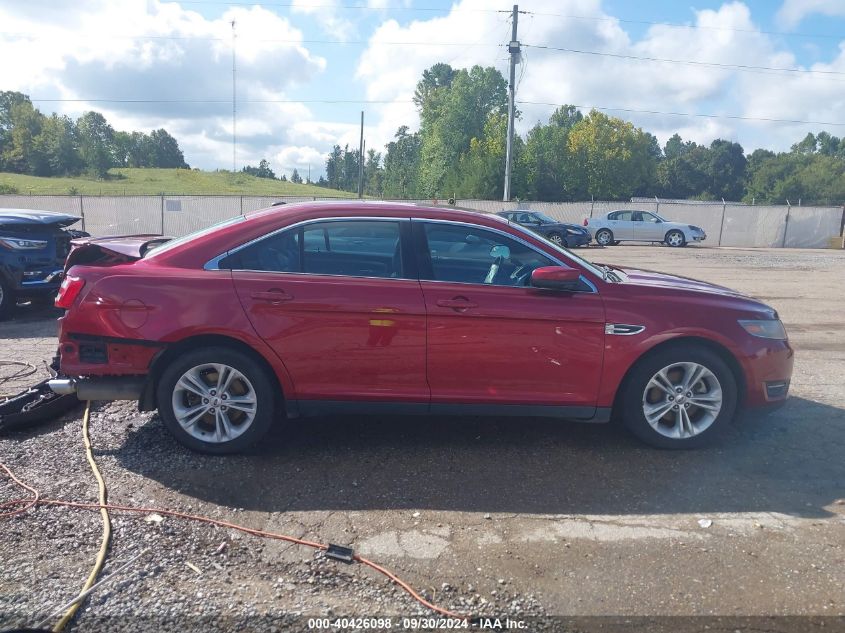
point(338, 304)
point(494, 339)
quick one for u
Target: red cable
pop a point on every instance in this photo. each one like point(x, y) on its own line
point(37, 499)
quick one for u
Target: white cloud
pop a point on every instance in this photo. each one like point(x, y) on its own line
point(327, 13)
point(138, 49)
point(792, 12)
point(725, 35)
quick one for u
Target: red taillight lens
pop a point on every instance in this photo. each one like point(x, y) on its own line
point(586, 221)
point(68, 292)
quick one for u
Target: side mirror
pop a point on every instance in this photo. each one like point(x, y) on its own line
point(555, 278)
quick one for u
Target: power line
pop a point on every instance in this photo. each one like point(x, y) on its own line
point(390, 101)
point(201, 38)
point(221, 101)
point(449, 9)
point(689, 26)
point(690, 62)
point(684, 114)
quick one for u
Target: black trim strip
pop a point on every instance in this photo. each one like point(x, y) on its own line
point(311, 408)
point(93, 338)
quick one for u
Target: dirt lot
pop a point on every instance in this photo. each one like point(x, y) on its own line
point(503, 517)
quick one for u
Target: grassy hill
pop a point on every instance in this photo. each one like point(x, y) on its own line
point(156, 181)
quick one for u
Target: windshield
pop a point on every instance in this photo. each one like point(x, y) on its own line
point(544, 217)
point(166, 246)
point(566, 253)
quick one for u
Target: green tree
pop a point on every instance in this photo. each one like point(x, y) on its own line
point(452, 114)
point(295, 177)
point(401, 165)
point(96, 143)
point(56, 147)
point(726, 169)
point(373, 174)
point(262, 171)
point(613, 159)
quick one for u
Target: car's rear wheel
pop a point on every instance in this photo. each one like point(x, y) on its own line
point(675, 238)
point(680, 397)
point(604, 237)
point(216, 400)
point(557, 238)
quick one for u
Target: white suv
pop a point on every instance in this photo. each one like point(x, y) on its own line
point(642, 226)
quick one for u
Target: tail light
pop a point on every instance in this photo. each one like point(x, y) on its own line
point(68, 292)
point(586, 221)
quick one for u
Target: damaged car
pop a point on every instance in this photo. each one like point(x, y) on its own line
point(33, 248)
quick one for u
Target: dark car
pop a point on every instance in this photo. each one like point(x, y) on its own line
point(33, 248)
point(365, 307)
point(561, 233)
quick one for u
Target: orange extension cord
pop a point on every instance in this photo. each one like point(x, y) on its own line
point(22, 505)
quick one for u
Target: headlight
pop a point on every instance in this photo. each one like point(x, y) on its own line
point(573, 231)
point(18, 244)
point(769, 328)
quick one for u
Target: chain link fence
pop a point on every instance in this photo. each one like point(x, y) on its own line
point(726, 224)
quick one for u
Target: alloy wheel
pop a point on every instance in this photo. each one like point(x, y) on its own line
point(682, 400)
point(675, 238)
point(214, 402)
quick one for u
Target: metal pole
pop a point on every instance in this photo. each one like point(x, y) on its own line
point(513, 49)
point(162, 214)
point(722, 225)
point(361, 160)
point(82, 212)
point(234, 104)
point(786, 223)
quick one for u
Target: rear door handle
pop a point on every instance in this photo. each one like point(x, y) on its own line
point(272, 296)
point(458, 303)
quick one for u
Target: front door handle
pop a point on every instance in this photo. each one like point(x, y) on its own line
point(457, 303)
point(272, 296)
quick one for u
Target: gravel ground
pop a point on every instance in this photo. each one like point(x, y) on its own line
point(528, 519)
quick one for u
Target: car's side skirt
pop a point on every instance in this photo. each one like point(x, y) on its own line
point(310, 408)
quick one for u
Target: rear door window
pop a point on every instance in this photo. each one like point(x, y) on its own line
point(354, 248)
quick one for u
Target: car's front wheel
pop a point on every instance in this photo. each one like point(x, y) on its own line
point(680, 397)
point(675, 238)
point(7, 300)
point(216, 400)
point(604, 237)
point(557, 238)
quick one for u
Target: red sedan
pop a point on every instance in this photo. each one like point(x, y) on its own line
point(363, 307)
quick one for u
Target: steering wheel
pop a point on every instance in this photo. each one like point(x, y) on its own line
point(521, 275)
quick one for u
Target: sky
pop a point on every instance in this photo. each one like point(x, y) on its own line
point(759, 72)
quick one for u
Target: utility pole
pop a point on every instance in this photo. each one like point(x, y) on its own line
point(234, 106)
point(514, 50)
point(361, 160)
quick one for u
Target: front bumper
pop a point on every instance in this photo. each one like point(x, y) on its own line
point(768, 373)
point(578, 239)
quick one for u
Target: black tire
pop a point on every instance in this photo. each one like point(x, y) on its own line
point(258, 380)
point(671, 238)
point(604, 237)
point(634, 395)
point(8, 300)
point(557, 238)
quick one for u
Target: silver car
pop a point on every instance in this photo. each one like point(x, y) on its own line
point(627, 225)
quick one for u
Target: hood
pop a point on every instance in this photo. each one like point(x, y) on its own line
point(15, 218)
point(116, 249)
point(653, 279)
point(663, 280)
